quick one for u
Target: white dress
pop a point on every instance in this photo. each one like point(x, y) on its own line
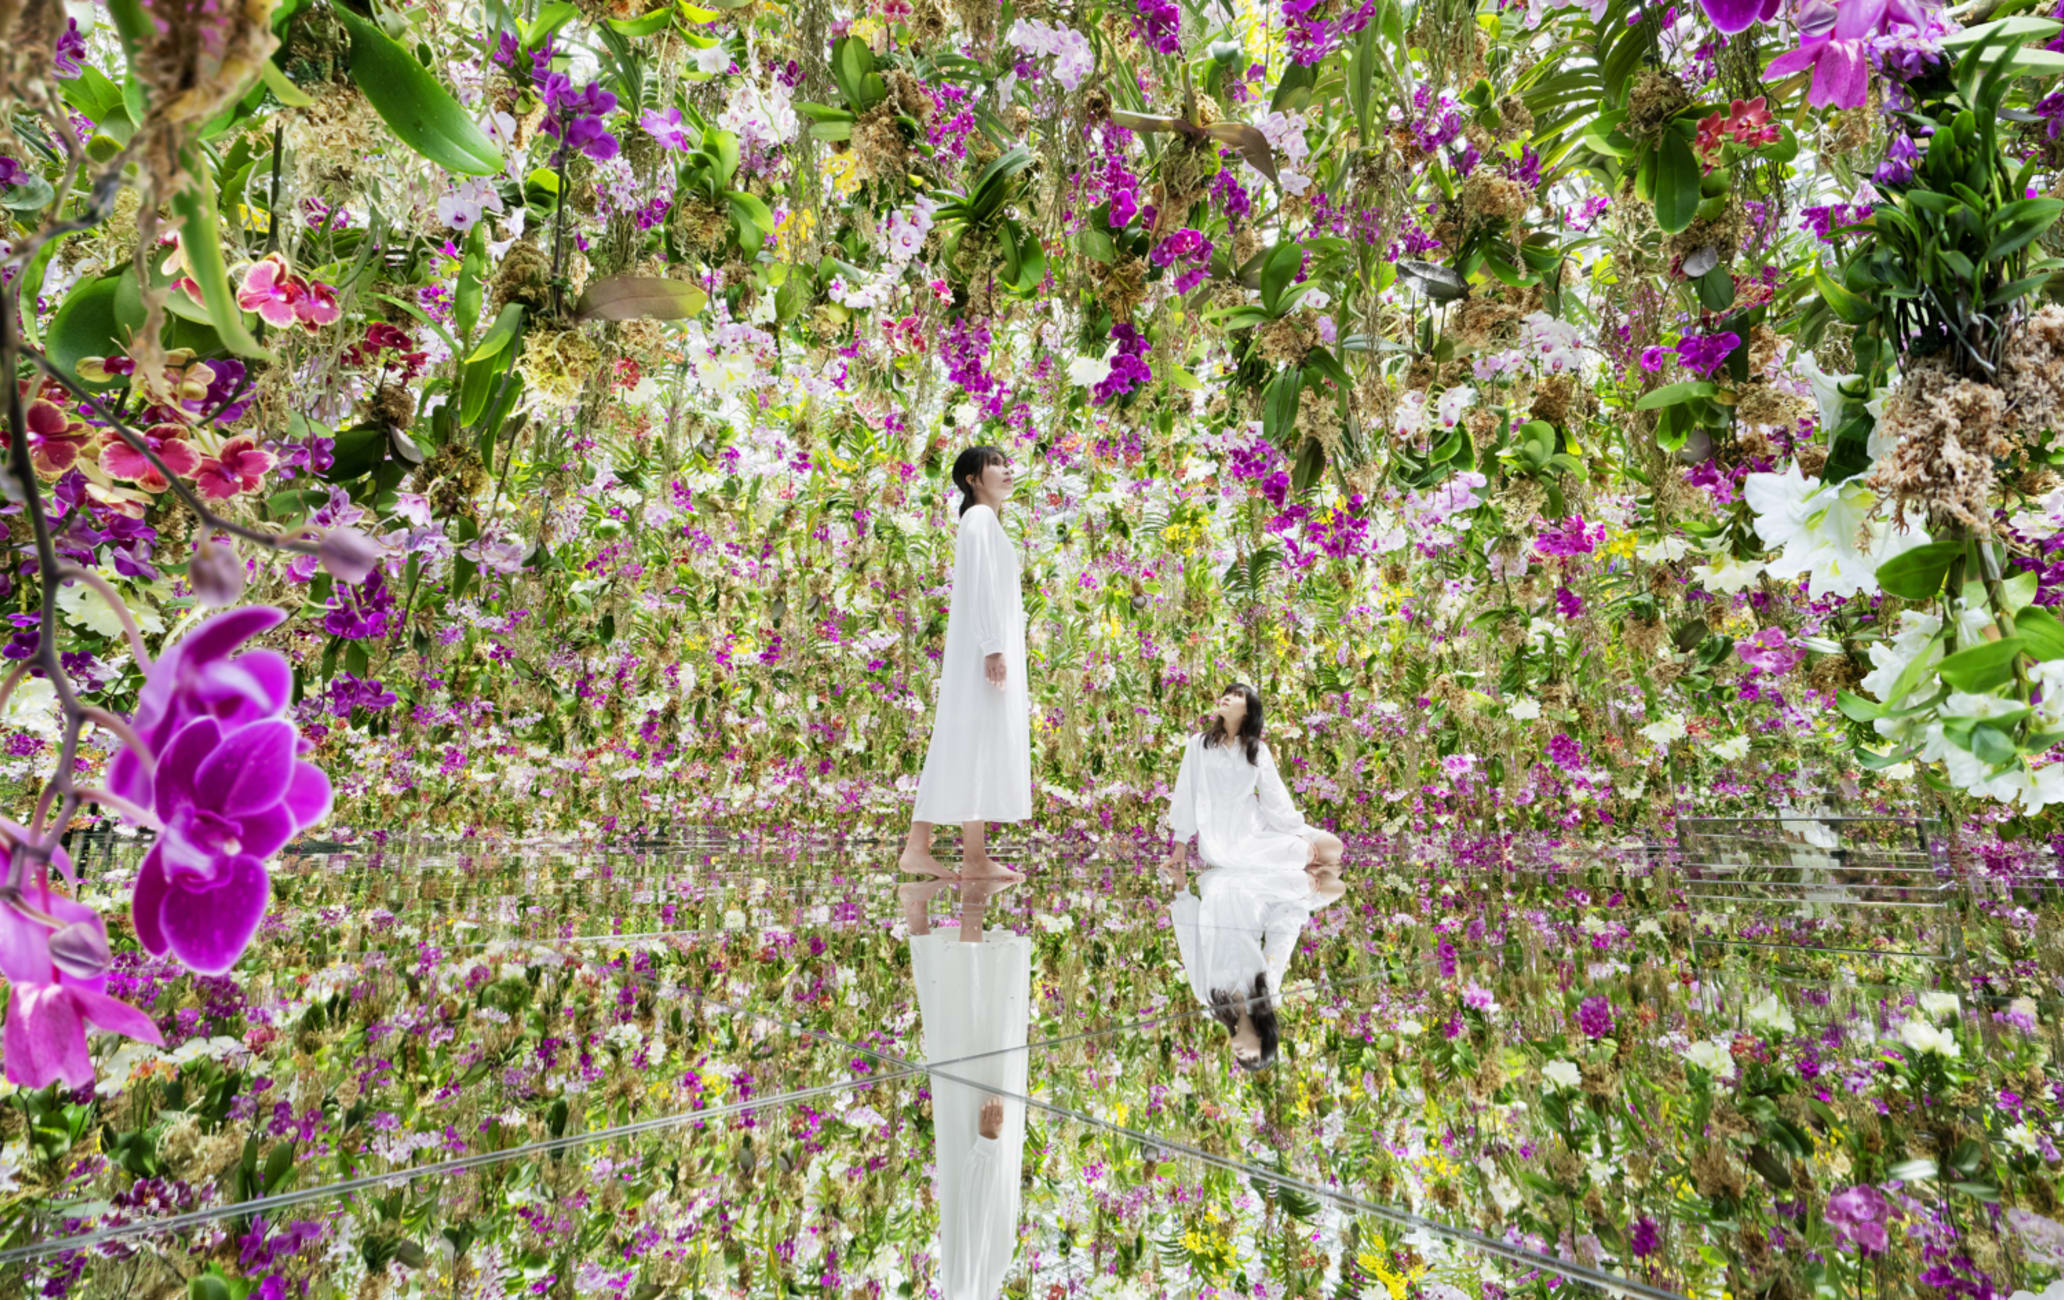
point(1253, 902)
point(979, 764)
point(1238, 925)
point(1240, 812)
point(975, 1000)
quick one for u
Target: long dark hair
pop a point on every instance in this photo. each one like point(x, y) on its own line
point(1226, 1007)
point(968, 466)
point(1250, 726)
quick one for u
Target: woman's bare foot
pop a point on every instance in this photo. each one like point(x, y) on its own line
point(916, 898)
point(921, 862)
point(1175, 875)
point(984, 867)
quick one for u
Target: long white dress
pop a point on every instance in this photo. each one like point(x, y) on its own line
point(1240, 812)
point(1253, 902)
point(975, 1001)
point(979, 764)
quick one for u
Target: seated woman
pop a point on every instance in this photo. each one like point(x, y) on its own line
point(1268, 871)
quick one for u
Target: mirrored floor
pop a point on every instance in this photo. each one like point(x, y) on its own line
point(748, 1070)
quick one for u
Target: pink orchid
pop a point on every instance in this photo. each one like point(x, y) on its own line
point(317, 305)
point(56, 440)
point(239, 467)
point(123, 461)
point(56, 985)
point(271, 291)
point(1835, 42)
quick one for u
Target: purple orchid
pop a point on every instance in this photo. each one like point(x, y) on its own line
point(57, 979)
point(226, 787)
point(1835, 42)
point(229, 798)
point(1732, 16)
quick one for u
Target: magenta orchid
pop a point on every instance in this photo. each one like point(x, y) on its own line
point(1835, 43)
point(1732, 16)
point(239, 467)
point(225, 784)
point(54, 953)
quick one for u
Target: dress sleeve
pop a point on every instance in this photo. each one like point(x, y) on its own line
point(989, 1246)
point(1182, 804)
point(1285, 927)
point(1182, 915)
point(985, 572)
point(1278, 813)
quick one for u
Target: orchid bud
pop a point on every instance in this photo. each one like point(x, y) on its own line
point(348, 555)
point(80, 950)
point(216, 573)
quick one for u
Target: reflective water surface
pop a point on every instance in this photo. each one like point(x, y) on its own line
point(719, 1068)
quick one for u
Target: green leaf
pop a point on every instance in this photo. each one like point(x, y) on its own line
point(1675, 394)
point(2042, 632)
point(637, 297)
point(472, 274)
point(1849, 308)
point(505, 330)
point(1982, 667)
point(87, 325)
point(2019, 28)
point(414, 104)
point(1917, 574)
point(651, 24)
point(201, 243)
point(1677, 184)
point(1284, 261)
point(1279, 408)
point(1856, 708)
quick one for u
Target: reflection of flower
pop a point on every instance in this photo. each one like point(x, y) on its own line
point(1563, 1074)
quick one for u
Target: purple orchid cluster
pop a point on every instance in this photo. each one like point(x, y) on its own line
point(1189, 249)
point(575, 118)
point(1158, 24)
point(1129, 367)
point(1570, 538)
point(211, 761)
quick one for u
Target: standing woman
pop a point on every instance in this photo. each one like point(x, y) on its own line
point(979, 767)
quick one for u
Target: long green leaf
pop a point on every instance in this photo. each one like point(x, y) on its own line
point(201, 242)
point(414, 103)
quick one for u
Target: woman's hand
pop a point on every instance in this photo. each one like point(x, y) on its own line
point(991, 1124)
point(993, 669)
point(1175, 867)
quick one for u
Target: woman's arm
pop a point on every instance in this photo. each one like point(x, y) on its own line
point(988, 604)
point(1278, 812)
point(1182, 807)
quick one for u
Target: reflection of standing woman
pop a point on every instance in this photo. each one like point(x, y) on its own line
point(974, 996)
point(1269, 870)
point(979, 767)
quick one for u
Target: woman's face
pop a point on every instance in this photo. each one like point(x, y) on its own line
point(1232, 710)
point(1246, 1043)
point(994, 482)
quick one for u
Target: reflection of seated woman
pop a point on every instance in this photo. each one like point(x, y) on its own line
point(974, 996)
point(1268, 872)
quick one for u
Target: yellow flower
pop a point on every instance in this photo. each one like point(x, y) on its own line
point(798, 224)
point(843, 173)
